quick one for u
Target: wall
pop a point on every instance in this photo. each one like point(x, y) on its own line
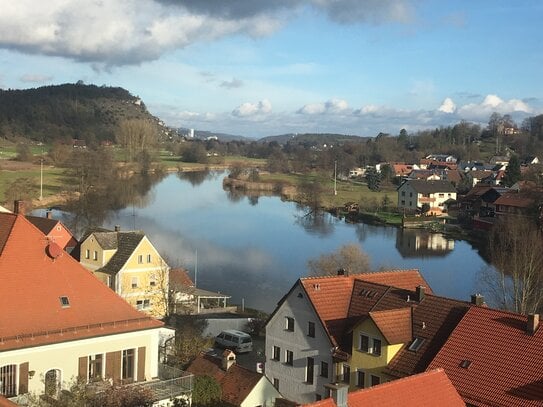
point(292, 384)
point(65, 356)
point(263, 394)
point(408, 195)
point(371, 364)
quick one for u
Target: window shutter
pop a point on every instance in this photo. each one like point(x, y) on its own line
point(83, 366)
point(141, 364)
point(113, 366)
point(23, 378)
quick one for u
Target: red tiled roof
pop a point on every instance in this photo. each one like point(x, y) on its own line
point(515, 199)
point(429, 389)
point(236, 383)
point(395, 324)
point(333, 296)
point(32, 284)
point(506, 366)
point(180, 278)
point(4, 402)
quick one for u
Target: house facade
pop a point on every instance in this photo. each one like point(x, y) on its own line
point(59, 323)
point(55, 231)
point(305, 347)
point(128, 263)
point(413, 194)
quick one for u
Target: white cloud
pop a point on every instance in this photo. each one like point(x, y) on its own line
point(448, 106)
point(332, 106)
point(248, 109)
point(124, 32)
point(493, 103)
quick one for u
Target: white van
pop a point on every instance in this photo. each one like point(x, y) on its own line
point(238, 341)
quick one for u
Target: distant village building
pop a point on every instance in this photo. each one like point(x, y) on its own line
point(413, 194)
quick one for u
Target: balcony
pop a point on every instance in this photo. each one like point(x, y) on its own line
point(171, 383)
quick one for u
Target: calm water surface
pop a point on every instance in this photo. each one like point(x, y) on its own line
point(255, 248)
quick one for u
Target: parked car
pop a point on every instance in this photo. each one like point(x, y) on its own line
point(239, 342)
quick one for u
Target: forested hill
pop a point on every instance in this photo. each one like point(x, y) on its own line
point(311, 139)
point(68, 111)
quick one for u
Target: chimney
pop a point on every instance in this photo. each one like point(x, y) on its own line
point(49, 214)
point(117, 228)
point(228, 359)
point(338, 392)
point(342, 272)
point(420, 293)
point(478, 299)
point(533, 324)
point(19, 207)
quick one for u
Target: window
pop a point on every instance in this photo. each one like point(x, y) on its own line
point(64, 302)
point(375, 380)
point(310, 370)
point(134, 282)
point(364, 343)
point(346, 373)
point(403, 193)
point(411, 194)
point(403, 202)
point(289, 324)
point(148, 258)
point(289, 357)
point(360, 378)
point(152, 282)
point(87, 254)
point(95, 255)
point(8, 383)
point(441, 195)
point(416, 344)
point(370, 345)
point(140, 259)
point(143, 304)
point(276, 384)
point(376, 348)
point(318, 397)
point(324, 369)
point(95, 367)
point(276, 353)
point(311, 329)
point(128, 364)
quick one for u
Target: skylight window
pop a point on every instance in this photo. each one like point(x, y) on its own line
point(64, 302)
point(416, 345)
point(465, 364)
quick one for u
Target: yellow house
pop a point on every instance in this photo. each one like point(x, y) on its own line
point(129, 264)
point(376, 339)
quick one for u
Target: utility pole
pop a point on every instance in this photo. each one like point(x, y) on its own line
point(41, 177)
point(335, 177)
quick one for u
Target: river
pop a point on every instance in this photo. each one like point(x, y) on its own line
point(255, 248)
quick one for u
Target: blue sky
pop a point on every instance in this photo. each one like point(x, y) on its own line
point(258, 68)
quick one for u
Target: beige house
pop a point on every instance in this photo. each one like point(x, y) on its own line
point(60, 324)
point(128, 263)
point(413, 194)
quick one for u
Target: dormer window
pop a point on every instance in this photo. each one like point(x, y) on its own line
point(64, 302)
point(416, 344)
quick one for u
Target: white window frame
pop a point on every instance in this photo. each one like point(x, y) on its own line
point(371, 344)
point(135, 282)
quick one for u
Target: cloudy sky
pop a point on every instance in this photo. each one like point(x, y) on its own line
point(261, 67)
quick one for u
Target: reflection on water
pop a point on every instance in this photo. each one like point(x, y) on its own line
point(256, 247)
point(421, 243)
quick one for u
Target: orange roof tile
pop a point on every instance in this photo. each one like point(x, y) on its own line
point(334, 313)
point(429, 389)
point(395, 324)
point(515, 199)
point(33, 281)
point(236, 383)
point(4, 402)
point(180, 278)
point(505, 363)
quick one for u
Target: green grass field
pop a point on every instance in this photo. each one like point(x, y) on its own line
point(53, 180)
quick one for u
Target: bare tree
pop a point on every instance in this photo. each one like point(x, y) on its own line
point(137, 136)
point(516, 251)
point(349, 257)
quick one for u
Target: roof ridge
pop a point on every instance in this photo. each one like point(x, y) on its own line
point(354, 275)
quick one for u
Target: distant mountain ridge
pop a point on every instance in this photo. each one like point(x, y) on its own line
point(312, 138)
point(68, 111)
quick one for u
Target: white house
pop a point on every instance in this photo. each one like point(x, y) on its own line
point(304, 348)
point(59, 323)
point(413, 194)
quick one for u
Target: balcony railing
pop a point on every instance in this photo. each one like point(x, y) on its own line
point(171, 382)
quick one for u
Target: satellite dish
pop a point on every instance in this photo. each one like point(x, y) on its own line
point(53, 250)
